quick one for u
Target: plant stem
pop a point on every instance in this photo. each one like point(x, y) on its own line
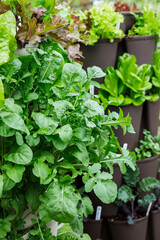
point(41, 234)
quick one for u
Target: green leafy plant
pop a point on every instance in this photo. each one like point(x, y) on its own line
point(129, 194)
point(147, 23)
point(149, 147)
point(98, 22)
point(8, 43)
point(127, 84)
point(52, 132)
point(154, 93)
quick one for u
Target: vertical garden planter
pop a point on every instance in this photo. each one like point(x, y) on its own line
point(129, 20)
point(93, 228)
point(102, 54)
point(150, 118)
point(148, 167)
point(154, 233)
point(142, 47)
point(108, 209)
point(136, 115)
point(121, 230)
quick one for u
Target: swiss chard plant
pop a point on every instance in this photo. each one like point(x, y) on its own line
point(127, 84)
point(149, 147)
point(129, 198)
point(51, 132)
point(98, 22)
point(147, 23)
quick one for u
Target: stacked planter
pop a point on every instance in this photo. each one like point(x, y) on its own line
point(145, 116)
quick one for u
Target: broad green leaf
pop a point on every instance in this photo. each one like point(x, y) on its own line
point(95, 72)
point(44, 122)
point(22, 155)
point(65, 133)
point(11, 119)
point(14, 172)
point(91, 108)
point(94, 168)
point(8, 43)
point(58, 143)
point(32, 141)
point(8, 184)
point(82, 154)
point(58, 203)
point(41, 170)
point(32, 194)
point(6, 131)
point(89, 185)
point(61, 107)
point(106, 191)
point(10, 106)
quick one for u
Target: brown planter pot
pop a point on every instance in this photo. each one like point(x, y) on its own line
point(121, 230)
point(129, 21)
point(102, 54)
point(148, 167)
point(142, 47)
point(93, 228)
point(154, 226)
point(150, 117)
point(136, 115)
point(108, 209)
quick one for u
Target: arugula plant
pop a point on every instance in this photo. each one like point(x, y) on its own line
point(129, 198)
point(96, 23)
point(149, 147)
point(51, 132)
point(147, 23)
point(127, 84)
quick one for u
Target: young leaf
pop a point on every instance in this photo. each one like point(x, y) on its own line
point(125, 194)
point(15, 173)
point(148, 184)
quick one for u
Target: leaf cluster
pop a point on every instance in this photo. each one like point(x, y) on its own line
point(125, 7)
point(149, 147)
point(100, 22)
point(147, 23)
point(127, 84)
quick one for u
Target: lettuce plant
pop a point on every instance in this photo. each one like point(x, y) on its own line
point(51, 132)
point(147, 23)
point(127, 84)
point(128, 197)
point(99, 22)
point(154, 93)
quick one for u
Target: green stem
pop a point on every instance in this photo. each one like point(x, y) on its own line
point(41, 234)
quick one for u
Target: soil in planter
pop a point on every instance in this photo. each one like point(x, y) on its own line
point(108, 209)
point(121, 230)
point(142, 47)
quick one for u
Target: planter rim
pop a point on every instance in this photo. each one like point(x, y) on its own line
point(151, 159)
point(106, 40)
point(128, 13)
point(138, 38)
point(155, 212)
point(125, 222)
point(93, 221)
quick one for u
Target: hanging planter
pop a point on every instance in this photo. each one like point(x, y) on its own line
point(121, 229)
point(142, 47)
point(129, 20)
point(154, 225)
